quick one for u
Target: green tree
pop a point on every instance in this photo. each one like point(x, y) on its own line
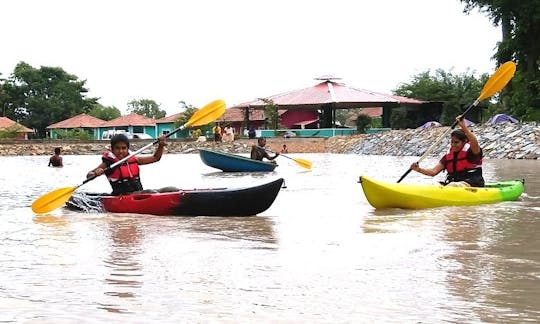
point(520, 25)
point(455, 91)
point(146, 107)
point(342, 115)
point(40, 97)
point(75, 133)
point(271, 113)
point(187, 112)
point(104, 112)
point(11, 131)
point(399, 119)
point(362, 122)
point(8, 98)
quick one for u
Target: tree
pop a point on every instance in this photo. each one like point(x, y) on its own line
point(456, 91)
point(146, 107)
point(103, 112)
point(520, 25)
point(11, 97)
point(188, 111)
point(362, 122)
point(11, 131)
point(40, 97)
point(343, 114)
point(76, 133)
point(271, 113)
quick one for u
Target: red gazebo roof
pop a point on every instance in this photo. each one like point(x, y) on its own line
point(326, 93)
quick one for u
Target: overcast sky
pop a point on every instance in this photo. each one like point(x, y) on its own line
point(201, 50)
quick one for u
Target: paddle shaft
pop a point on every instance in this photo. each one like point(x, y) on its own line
point(428, 151)
point(115, 164)
point(437, 141)
point(303, 163)
point(269, 150)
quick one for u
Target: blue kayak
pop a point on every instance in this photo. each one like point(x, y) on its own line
point(234, 163)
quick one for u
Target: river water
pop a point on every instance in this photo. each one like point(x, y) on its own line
point(320, 254)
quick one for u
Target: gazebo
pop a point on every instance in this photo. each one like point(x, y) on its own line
point(328, 96)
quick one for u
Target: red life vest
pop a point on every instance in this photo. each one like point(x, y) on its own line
point(125, 177)
point(462, 164)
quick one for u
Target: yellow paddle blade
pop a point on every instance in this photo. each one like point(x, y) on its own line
point(52, 200)
point(303, 163)
point(498, 80)
point(207, 114)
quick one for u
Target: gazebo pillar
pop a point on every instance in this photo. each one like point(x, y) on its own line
point(387, 113)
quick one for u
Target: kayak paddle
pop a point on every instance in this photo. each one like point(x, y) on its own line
point(59, 197)
point(495, 83)
point(301, 162)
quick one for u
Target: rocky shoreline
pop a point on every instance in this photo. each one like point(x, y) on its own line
point(501, 141)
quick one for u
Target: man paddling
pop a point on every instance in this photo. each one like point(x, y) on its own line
point(258, 152)
point(463, 161)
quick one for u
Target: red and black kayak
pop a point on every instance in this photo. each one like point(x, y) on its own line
point(246, 201)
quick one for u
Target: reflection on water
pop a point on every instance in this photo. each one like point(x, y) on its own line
point(495, 262)
point(258, 229)
point(123, 260)
point(225, 175)
point(321, 253)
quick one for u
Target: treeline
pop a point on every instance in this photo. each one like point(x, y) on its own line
point(39, 97)
point(520, 26)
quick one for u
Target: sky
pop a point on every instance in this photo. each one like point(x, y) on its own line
point(239, 50)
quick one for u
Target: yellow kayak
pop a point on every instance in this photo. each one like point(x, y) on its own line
point(409, 196)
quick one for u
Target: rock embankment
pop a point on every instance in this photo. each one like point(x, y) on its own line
point(74, 147)
point(501, 141)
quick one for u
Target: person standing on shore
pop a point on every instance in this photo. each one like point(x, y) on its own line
point(258, 152)
point(217, 133)
point(56, 159)
point(228, 135)
point(463, 161)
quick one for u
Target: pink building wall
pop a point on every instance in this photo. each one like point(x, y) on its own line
point(290, 117)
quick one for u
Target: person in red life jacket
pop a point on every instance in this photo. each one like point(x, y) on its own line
point(125, 178)
point(463, 161)
point(56, 159)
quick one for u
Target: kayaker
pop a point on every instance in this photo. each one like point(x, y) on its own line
point(258, 152)
point(463, 161)
point(56, 159)
point(125, 178)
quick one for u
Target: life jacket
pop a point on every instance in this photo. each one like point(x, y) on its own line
point(124, 178)
point(460, 169)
